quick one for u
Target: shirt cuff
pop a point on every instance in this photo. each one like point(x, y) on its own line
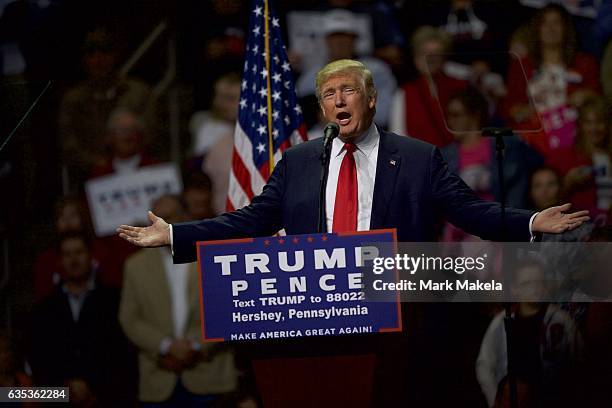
point(533, 237)
point(164, 346)
point(172, 238)
point(196, 345)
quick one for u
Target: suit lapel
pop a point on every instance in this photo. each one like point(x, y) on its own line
point(387, 168)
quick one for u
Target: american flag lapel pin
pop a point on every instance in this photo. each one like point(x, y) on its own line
point(392, 162)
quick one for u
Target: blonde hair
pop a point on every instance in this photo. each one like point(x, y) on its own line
point(424, 34)
point(600, 108)
point(346, 66)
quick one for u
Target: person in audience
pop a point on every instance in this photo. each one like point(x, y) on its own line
point(125, 145)
point(85, 108)
point(546, 344)
point(213, 137)
point(209, 128)
point(340, 32)
point(75, 335)
point(417, 107)
point(199, 197)
point(473, 156)
point(586, 167)
point(558, 78)
point(380, 27)
point(126, 153)
point(160, 314)
point(71, 215)
point(544, 188)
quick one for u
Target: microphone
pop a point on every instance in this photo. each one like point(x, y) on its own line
point(330, 132)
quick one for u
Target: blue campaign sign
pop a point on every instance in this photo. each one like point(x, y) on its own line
point(293, 286)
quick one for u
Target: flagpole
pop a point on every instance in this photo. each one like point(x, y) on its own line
point(269, 89)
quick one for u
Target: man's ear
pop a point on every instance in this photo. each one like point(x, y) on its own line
point(372, 102)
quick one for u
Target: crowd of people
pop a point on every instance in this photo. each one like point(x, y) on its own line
point(120, 326)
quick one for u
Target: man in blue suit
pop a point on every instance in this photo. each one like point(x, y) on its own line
point(382, 180)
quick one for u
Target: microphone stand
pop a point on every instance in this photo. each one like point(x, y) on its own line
point(325, 156)
point(498, 134)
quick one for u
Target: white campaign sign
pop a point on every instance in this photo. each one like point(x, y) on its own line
point(126, 198)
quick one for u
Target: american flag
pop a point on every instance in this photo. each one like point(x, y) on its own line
point(269, 118)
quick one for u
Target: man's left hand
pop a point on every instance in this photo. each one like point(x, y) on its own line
point(555, 220)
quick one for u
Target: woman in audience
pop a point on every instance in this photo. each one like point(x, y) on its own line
point(586, 167)
point(558, 77)
point(544, 188)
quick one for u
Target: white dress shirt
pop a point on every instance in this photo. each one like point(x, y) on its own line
point(177, 278)
point(366, 156)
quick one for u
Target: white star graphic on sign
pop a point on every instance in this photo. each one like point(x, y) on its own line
point(264, 73)
point(276, 77)
point(287, 120)
point(257, 11)
point(244, 84)
point(287, 103)
point(254, 69)
point(297, 109)
point(262, 110)
point(246, 65)
point(261, 129)
point(275, 115)
point(275, 22)
point(276, 59)
point(276, 95)
point(243, 103)
point(263, 54)
point(255, 49)
point(254, 107)
point(287, 84)
point(254, 88)
point(256, 30)
point(263, 92)
point(261, 148)
point(275, 133)
point(286, 66)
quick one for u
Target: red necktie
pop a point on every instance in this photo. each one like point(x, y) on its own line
point(345, 207)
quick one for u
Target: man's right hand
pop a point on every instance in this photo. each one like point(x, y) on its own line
point(155, 235)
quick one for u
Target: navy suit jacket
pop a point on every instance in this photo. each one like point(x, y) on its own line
point(414, 189)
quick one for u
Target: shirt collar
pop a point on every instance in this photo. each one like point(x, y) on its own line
point(365, 143)
point(91, 285)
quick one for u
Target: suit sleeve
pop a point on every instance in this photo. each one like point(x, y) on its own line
point(263, 217)
point(464, 209)
point(144, 335)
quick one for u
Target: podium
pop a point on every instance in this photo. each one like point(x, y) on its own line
point(298, 303)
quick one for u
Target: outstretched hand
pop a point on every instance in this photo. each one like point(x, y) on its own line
point(155, 235)
point(555, 220)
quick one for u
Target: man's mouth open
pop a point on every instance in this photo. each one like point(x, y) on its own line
point(343, 118)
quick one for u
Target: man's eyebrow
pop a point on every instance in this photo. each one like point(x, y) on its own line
point(341, 86)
